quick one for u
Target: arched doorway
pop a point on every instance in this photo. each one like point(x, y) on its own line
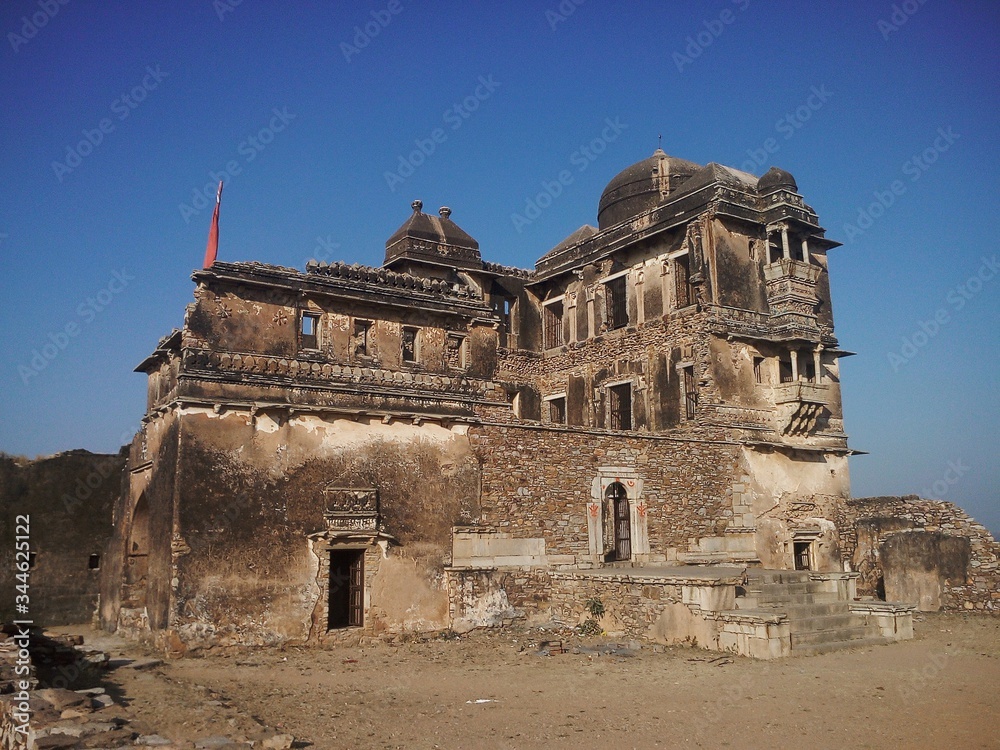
point(618, 510)
point(137, 556)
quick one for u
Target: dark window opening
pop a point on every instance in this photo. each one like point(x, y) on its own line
point(309, 331)
point(802, 555)
point(32, 560)
point(774, 252)
point(94, 562)
point(690, 393)
point(620, 406)
point(683, 290)
point(758, 369)
point(361, 340)
point(785, 367)
point(410, 343)
point(795, 250)
point(504, 307)
point(616, 303)
point(557, 410)
point(807, 366)
point(455, 351)
point(346, 596)
point(553, 330)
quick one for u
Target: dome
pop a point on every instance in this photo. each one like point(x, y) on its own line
point(641, 187)
point(776, 179)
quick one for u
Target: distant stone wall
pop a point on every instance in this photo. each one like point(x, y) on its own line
point(929, 551)
point(68, 499)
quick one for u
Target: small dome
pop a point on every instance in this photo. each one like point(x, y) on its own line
point(776, 179)
point(642, 186)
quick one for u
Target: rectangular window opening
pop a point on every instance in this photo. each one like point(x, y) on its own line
point(690, 393)
point(361, 340)
point(503, 307)
point(616, 303)
point(758, 369)
point(807, 366)
point(683, 290)
point(785, 368)
point(94, 562)
point(553, 328)
point(620, 406)
point(309, 331)
point(455, 351)
point(411, 345)
point(557, 410)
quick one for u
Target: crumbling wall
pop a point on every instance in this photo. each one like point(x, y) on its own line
point(924, 552)
point(487, 597)
point(68, 499)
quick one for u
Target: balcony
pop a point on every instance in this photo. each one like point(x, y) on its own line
point(791, 292)
point(801, 391)
point(800, 406)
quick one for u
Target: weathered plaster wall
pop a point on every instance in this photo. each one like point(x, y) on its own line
point(798, 492)
point(250, 492)
point(69, 499)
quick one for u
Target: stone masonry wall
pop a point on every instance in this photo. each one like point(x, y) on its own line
point(68, 498)
point(979, 590)
point(536, 482)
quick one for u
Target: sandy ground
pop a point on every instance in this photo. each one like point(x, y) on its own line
point(493, 690)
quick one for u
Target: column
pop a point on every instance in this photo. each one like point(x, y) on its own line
point(786, 249)
point(571, 312)
point(640, 297)
point(591, 320)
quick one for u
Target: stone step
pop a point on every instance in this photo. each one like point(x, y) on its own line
point(822, 597)
point(797, 625)
point(813, 609)
point(804, 587)
point(778, 576)
point(832, 635)
point(822, 648)
point(804, 611)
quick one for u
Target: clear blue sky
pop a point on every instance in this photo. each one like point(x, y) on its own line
point(843, 95)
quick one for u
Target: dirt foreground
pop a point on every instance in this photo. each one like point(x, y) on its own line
point(494, 690)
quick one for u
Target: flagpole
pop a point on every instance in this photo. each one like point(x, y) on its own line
point(212, 248)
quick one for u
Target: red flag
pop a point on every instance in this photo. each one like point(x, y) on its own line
point(212, 249)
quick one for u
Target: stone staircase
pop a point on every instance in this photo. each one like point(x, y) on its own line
point(819, 612)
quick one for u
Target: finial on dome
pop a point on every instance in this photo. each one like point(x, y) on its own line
point(445, 212)
point(417, 205)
